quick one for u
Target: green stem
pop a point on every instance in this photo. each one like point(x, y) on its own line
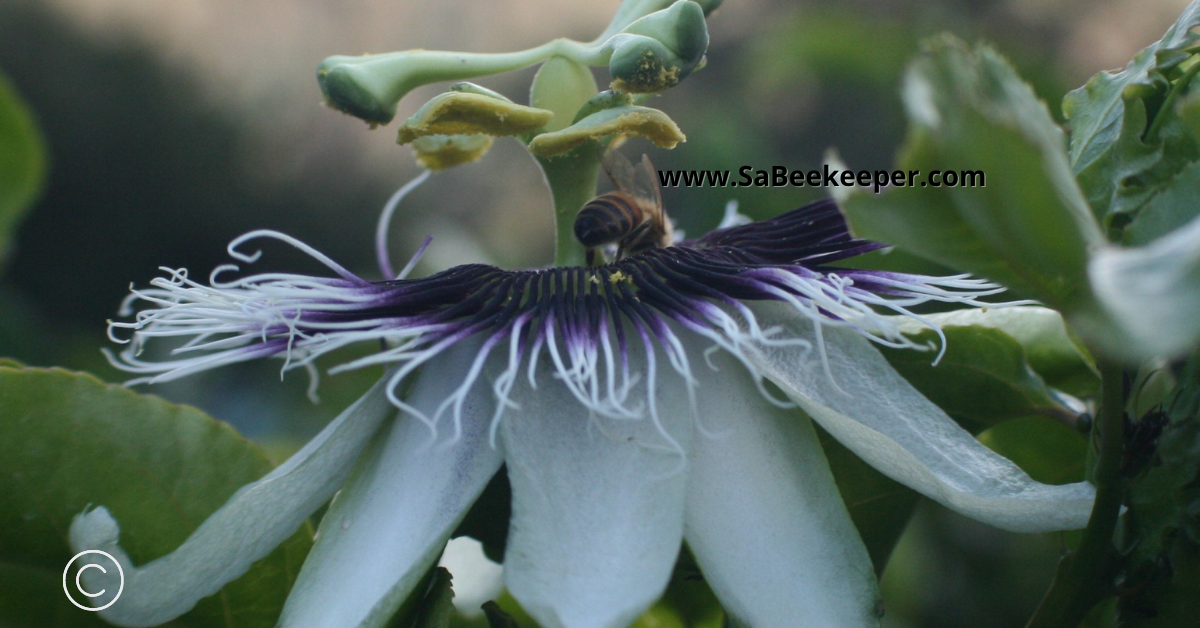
point(1081, 579)
point(1165, 110)
point(572, 181)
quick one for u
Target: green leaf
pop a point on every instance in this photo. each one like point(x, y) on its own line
point(983, 378)
point(659, 616)
point(1029, 228)
point(1171, 597)
point(1167, 497)
point(1162, 525)
point(1148, 293)
point(496, 617)
point(437, 607)
point(33, 598)
point(1049, 451)
point(688, 595)
point(506, 609)
point(1049, 348)
point(1118, 165)
point(22, 162)
point(1172, 207)
point(68, 440)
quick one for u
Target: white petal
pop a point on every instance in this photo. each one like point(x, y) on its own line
point(258, 517)
point(874, 412)
point(408, 492)
point(597, 504)
point(765, 519)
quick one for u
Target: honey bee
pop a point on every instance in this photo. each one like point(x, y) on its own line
point(631, 217)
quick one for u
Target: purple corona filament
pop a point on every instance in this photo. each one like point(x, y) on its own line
point(587, 321)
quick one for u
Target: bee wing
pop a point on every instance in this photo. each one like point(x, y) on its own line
point(639, 181)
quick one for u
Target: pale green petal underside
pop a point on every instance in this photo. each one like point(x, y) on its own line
point(407, 493)
point(597, 515)
point(764, 517)
point(879, 416)
point(257, 518)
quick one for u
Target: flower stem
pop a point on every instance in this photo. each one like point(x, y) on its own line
point(1082, 574)
point(563, 86)
point(572, 181)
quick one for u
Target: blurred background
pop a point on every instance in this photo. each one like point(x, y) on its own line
point(175, 125)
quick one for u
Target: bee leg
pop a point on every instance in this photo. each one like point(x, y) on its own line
point(590, 253)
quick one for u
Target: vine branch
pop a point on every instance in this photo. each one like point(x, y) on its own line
point(1081, 579)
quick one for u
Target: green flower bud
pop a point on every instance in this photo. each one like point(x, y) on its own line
point(438, 152)
point(469, 110)
point(657, 51)
point(651, 124)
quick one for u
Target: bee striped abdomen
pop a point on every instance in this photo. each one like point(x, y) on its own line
point(607, 218)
